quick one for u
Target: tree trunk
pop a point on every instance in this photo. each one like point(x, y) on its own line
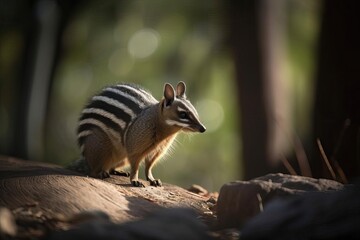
point(245, 42)
point(337, 102)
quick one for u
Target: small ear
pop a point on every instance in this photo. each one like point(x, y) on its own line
point(180, 89)
point(169, 94)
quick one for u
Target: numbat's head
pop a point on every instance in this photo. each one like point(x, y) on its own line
point(177, 111)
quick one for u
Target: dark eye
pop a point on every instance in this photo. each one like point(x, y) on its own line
point(183, 115)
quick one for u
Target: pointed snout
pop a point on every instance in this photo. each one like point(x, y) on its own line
point(201, 128)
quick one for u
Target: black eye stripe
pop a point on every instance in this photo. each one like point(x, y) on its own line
point(183, 114)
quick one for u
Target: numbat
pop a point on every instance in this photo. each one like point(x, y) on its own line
point(125, 124)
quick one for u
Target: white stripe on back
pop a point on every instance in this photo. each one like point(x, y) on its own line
point(117, 91)
point(84, 133)
point(115, 103)
point(102, 126)
point(149, 96)
point(106, 114)
point(139, 92)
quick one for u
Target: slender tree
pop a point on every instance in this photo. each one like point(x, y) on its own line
point(337, 100)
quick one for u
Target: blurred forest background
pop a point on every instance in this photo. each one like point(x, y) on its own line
point(267, 77)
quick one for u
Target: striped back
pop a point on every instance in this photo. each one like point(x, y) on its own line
point(113, 110)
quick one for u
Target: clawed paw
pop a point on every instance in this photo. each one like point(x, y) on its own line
point(155, 183)
point(103, 175)
point(137, 183)
point(120, 173)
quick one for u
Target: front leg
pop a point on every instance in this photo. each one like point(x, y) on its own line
point(149, 163)
point(134, 174)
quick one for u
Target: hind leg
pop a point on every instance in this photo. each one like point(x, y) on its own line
point(97, 152)
point(113, 170)
point(119, 173)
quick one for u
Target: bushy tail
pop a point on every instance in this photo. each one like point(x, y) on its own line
point(79, 165)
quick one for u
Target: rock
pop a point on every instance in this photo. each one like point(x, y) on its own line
point(315, 215)
point(239, 201)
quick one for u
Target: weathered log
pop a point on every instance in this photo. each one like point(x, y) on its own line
point(175, 223)
point(49, 192)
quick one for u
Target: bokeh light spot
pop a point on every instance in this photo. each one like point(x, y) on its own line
point(211, 114)
point(143, 43)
